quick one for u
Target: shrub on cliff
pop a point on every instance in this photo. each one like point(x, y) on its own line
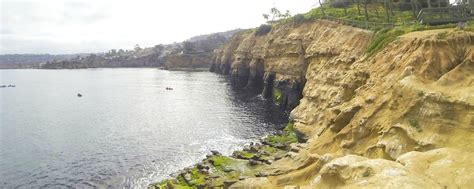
point(298, 19)
point(385, 36)
point(264, 29)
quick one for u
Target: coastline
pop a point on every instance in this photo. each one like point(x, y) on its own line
point(254, 160)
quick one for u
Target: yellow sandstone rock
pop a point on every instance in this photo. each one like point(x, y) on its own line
point(401, 118)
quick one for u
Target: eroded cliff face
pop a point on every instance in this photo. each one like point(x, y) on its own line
point(403, 117)
point(276, 63)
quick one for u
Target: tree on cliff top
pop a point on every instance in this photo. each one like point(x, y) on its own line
point(276, 15)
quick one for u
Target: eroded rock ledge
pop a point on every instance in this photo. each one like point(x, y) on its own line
point(401, 118)
point(276, 64)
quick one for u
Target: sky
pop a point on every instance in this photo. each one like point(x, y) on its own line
point(67, 26)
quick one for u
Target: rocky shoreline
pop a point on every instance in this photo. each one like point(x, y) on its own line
point(254, 160)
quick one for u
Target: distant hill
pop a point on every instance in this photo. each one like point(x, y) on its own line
point(156, 56)
point(226, 34)
point(197, 52)
point(31, 60)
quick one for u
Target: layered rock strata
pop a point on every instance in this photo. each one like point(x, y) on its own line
point(401, 118)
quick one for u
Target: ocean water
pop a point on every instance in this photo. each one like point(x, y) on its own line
point(127, 130)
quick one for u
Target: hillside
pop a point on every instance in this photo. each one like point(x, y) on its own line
point(21, 61)
point(197, 52)
point(157, 56)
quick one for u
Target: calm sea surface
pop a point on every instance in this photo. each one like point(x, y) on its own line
point(126, 131)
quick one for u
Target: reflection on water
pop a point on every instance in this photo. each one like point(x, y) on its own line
point(126, 131)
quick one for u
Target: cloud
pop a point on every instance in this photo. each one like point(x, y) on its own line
point(47, 45)
point(83, 13)
point(56, 26)
point(5, 31)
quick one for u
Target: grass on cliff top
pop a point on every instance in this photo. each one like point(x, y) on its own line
point(385, 36)
point(405, 22)
point(376, 13)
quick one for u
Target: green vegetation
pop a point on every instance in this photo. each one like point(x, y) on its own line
point(220, 162)
point(197, 179)
point(401, 22)
point(288, 136)
point(388, 24)
point(269, 149)
point(366, 174)
point(297, 19)
point(375, 13)
point(469, 26)
point(385, 36)
point(263, 30)
point(244, 154)
point(442, 35)
point(276, 15)
point(415, 124)
point(179, 183)
point(277, 96)
point(216, 170)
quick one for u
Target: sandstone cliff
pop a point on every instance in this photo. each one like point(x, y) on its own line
point(401, 118)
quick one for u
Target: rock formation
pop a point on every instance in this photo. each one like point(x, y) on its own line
point(400, 118)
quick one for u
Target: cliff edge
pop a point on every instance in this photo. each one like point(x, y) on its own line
point(399, 116)
point(402, 117)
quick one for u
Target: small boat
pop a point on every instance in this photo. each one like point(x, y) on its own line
point(11, 85)
point(169, 88)
point(3, 86)
point(79, 95)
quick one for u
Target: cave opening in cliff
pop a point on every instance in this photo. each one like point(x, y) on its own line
point(268, 85)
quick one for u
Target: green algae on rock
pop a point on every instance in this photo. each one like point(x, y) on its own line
point(218, 171)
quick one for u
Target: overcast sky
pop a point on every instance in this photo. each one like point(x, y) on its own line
point(65, 26)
